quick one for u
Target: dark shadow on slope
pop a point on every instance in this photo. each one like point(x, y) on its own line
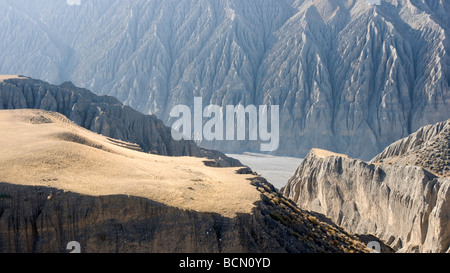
point(44, 219)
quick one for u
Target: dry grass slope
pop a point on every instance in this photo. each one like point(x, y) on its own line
point(49, 150)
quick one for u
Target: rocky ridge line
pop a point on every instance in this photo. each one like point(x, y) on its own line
point(104, 115)
point(401, 197)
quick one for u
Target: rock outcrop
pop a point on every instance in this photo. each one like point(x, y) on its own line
point(61, 183)
point(396, 198)
point(102, 114)
point(349, 76)
point(428, 148)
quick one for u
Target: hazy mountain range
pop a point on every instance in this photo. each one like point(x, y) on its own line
point(349, 76)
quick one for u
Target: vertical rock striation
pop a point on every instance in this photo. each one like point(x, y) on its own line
point(402, 196)
point(349, 76)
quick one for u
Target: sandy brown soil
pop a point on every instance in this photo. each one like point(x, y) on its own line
point(324, 153)
point(7, 77)
point(46, 149)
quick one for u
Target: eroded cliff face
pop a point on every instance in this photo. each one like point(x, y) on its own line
point(102, 114)
point(429, 148)
point(344, 73)
point(406, 207)
point(44, 220)
point(60, 183)
point(401, 196)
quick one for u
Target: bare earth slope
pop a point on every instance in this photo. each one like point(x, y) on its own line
point(402, 196)
point(101, 114)
point(61, 183)
point(56, 153)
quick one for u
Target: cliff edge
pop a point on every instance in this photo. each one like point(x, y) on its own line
point(60, 183)
point(401, 196)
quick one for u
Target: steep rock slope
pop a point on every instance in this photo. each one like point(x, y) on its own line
point(62, 183)
point(394, 198)
point(360, 76)
point(428, 148)
point(101, 114)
